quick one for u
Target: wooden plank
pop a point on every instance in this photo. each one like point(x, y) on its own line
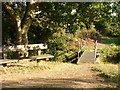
point(47, 56)
point(2, 61)
point(25, 59)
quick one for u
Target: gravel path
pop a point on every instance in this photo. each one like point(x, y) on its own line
point(59, 75)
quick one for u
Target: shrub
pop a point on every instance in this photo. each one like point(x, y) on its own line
point(60, 44)
point(91, 33)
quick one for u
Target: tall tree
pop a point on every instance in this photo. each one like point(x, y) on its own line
point(21, 14)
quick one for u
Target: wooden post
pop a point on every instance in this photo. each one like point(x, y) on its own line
point(4, 55)
point(80, 48)
point(95, 50)
point(39, 52)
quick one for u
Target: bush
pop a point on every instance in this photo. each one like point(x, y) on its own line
point(91, 33)
point(60, 44)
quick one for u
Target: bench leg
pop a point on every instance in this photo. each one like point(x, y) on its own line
point(38, 60)
point(47, 59)
point(30, 60)
point(5, 64)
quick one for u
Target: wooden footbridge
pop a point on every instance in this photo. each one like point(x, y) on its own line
point(87, 55)
point(83, 55)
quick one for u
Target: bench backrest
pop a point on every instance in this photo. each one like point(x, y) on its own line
point(25, 47)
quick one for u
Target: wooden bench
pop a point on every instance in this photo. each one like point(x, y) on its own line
point(26, 48)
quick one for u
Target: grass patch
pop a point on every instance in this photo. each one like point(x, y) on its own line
point(89, 48)
point(109, 54)
point(110, 50)
point(108, 71)
point(110, 40)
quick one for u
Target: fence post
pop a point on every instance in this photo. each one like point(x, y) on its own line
point(80, 48)
point(95, 50)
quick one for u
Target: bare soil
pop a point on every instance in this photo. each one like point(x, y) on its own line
point(60, 75)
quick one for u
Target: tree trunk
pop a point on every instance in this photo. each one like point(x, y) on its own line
point(24, 37)
point(25, 24)
point(19, 34)
point(22, 24)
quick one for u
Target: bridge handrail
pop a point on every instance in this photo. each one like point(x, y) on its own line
point(81, 46)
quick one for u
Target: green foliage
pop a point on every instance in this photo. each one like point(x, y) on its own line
point(33, 52)
point(110, 40)
point(58, 45)
point(91, 33)
point(58, 15)
point(10, 55)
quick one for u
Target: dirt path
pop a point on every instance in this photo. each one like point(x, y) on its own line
point(59, 75)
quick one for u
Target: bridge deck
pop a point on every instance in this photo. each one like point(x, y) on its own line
point(87, 56)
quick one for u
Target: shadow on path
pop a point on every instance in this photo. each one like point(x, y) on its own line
point(50, 83)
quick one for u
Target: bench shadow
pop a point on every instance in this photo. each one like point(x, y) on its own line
point(15, 66)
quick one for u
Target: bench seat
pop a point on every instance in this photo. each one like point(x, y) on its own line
point(2, 61)
point(46, 56)
point(5, 61)
point(39, 57)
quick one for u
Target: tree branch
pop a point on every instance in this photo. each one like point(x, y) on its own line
point(28, 15)
point(9, 10)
